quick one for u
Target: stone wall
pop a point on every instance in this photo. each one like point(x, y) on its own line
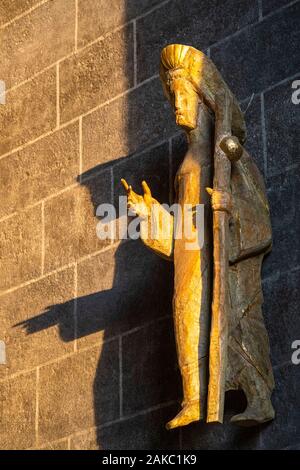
point(91, 359)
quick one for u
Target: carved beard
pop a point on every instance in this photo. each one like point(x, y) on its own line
point(184, 123)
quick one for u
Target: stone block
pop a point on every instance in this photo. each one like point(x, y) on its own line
point(283, 195)
point(146, 431)
point(37, 322)
point(39, 170)
point(281, 312)
point(150, 372)
point(261, 55)
point(127, 125)
point(56, 445)
point(282, 119)
point(70, 222)
point(121, 289)
point(284, 430)
point(198, 23)
point(29, 112)
point(18, 404)
point(79, 392)
point(21, 247)
point(37, 40)
point(9, 9)
point(98, 18)
point(151, 166)
point(96, 74)
point(270, 6)
point(254, 142)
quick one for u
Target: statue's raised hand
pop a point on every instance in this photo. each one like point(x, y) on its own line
point(137, 204)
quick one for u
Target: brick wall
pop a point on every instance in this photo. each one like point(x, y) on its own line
point(91, 360)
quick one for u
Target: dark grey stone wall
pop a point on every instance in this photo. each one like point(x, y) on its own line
point(255, 45)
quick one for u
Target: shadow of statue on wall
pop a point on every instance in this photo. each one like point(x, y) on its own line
point(135, 304)
point(131, 300)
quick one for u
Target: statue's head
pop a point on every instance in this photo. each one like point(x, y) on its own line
point(181, 72)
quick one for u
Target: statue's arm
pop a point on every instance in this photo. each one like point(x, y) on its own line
point(157, 231)
point(156, 223)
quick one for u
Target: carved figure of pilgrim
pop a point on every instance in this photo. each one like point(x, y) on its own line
point(221, 339)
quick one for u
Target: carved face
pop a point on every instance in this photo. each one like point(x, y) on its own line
point(184, 98)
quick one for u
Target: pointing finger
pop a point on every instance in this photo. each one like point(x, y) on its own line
point(125, 184)
point(146, 188)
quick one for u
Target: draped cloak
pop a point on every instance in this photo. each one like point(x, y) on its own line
point(250, 239)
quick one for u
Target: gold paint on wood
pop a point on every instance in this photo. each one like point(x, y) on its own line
point(222, 343)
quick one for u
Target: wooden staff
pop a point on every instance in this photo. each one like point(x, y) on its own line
point(220, 304)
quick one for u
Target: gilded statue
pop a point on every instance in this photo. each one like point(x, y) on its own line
point(222, 343)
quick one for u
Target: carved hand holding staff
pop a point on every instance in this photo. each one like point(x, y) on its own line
point(218, 322)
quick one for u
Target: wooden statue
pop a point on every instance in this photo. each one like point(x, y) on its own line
point(222, 343)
